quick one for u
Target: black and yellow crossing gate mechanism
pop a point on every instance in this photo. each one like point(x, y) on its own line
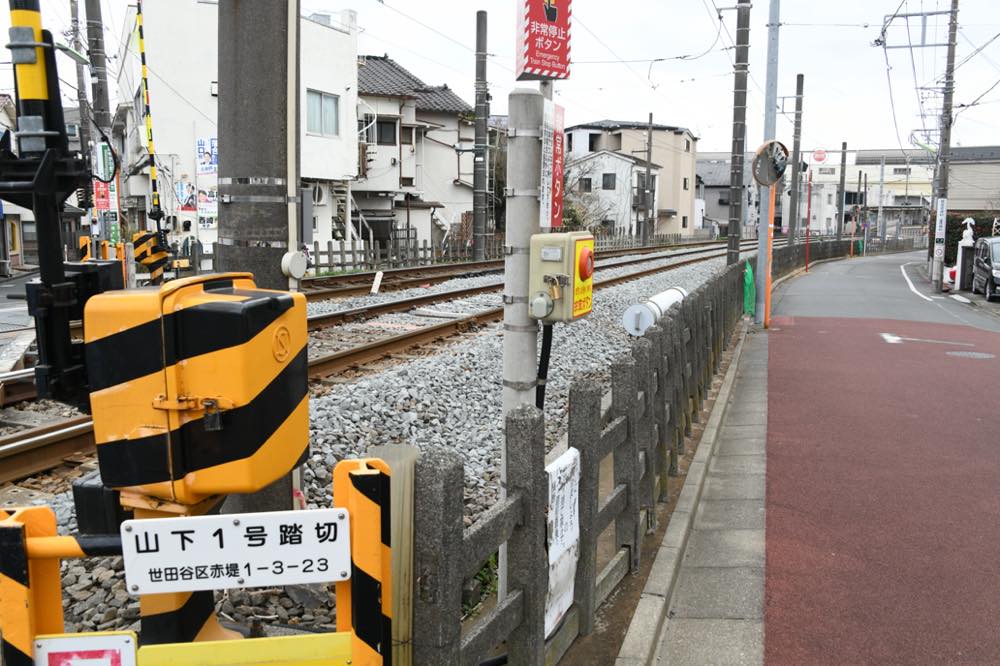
point(31, 610)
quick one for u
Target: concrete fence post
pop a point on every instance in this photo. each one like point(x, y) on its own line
point(585, 429)
point(642, 352)
point(625, 402)
point(437, 549)
point(663, 441)
point(527, 560)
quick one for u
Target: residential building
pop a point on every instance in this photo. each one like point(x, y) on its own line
point(675, 149)
point(974, 183)
point(413, 181)
point(184, 108)
point(605, 189)
point(906, 192)
point(715, 171)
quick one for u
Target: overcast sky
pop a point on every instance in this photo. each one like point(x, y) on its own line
point(846, 91)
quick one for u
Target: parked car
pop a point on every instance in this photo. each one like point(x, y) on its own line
point(986, 267)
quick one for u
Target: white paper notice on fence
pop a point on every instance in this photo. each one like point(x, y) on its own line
point(563, 535)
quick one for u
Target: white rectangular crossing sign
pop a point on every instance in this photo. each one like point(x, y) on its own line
point(238, 550)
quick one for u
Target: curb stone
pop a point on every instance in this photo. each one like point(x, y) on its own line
point(643, 636)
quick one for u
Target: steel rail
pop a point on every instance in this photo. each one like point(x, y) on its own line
point(43, 447)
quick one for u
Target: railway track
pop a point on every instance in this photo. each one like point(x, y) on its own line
point(38, 449)
point(360, 283)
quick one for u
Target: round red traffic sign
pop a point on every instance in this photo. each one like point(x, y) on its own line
point(819, 156)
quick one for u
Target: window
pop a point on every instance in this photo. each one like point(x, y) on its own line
point(406, 181)
point(827, 171)
point(315, 224)
point(569, 143)
point(406, 136)
point(322, 113)
point(608, 181)
point(385, 132)
point(592, 142)
point(366, 128)
point(829, 198)
point(687, 146)
point(585, 185)
point(901, 171)
point(685, 183)
point(684, 222)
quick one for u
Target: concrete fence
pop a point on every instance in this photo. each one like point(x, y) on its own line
point(658, 389)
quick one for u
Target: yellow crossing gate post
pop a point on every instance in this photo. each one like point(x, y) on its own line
point(30, 590)
point(364, 603)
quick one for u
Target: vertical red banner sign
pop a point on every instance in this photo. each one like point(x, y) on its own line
point(102, 196)
point(553, 166)
point(543, 49)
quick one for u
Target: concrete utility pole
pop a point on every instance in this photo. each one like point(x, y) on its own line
point(259, 161)
point(81, 79)
point(770, 131)
point(857, 204)
point(842, 192)
point(793, 207)
point(481, 154)
point(648, 229)
point(520, 332)
point(258, 138)
point(944, 154)
point(881, 189)
point(736, 194)
point(98, 65)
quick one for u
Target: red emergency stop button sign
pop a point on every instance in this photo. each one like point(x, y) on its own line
point(585, 263)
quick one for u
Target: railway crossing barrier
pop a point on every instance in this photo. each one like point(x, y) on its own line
point(198, 559)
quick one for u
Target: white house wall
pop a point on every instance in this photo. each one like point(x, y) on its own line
point(184, 102)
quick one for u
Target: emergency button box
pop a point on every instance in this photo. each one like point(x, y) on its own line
point(561, 276)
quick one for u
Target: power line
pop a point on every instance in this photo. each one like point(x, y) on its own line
point(646, 81)
point(975, 102)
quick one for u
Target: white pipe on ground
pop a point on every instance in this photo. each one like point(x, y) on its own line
point(641, 316)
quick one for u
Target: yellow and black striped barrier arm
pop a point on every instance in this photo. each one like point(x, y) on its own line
point(30, 589)
point(151, 248)
point(364, 603)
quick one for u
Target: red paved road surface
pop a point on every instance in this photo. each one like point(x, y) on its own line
point(883, 499)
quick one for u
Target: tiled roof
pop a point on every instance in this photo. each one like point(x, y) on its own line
point(381, 75)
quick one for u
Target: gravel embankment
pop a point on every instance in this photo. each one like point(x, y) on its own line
point(450, 398)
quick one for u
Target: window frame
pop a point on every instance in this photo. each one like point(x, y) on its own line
point(403, 131)
point(604, 181)
point(378, 132)
point(323, 96)
point(589, 185)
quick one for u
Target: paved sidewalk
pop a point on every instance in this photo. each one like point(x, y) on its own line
point(717, 608)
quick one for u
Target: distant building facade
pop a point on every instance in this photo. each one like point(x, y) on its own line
point(714, 171)
point(606, 190)
point(675, 149)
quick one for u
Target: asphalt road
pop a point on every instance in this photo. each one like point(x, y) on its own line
point(883, 464)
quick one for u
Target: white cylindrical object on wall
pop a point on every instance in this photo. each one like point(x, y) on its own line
point(641, 316)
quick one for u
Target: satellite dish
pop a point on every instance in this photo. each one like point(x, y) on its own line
point(769, 163)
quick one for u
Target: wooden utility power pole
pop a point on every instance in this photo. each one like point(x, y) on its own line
point(648, 227)
point(944, 154)
point(737, 195)
point(793, 208)
point(98, 65)
point(81, 79)
point(481, 153)
point(842, 194)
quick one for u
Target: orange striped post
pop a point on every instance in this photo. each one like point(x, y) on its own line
point(30, 589)
point(770, 268)
point(364, 603)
